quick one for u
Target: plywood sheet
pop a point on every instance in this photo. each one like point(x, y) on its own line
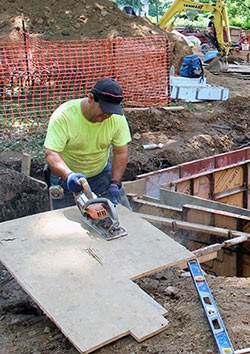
point(202, 187)
point(228, 179)
point(184, 187)
point(83, 282)
point(235, 199)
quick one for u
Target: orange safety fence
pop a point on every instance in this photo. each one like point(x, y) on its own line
point(37, 75)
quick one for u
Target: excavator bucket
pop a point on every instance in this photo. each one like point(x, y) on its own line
point(217, 65)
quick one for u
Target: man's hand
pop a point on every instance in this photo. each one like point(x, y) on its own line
point(73, 183)
point(114, 192)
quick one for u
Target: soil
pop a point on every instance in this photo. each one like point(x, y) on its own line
point(199, 130)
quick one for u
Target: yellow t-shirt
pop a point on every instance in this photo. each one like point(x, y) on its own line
point(83, 145)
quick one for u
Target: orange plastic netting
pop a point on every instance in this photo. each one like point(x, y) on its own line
point(36, 75)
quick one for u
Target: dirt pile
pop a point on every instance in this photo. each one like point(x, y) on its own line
point(81, 19)
point(74, 19)
point(197, 131)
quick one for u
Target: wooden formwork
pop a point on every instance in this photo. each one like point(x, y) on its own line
point(215, 177)
point(223, 179)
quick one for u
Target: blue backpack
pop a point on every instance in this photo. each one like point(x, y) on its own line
point(191, 66)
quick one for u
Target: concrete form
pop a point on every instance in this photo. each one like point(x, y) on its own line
point(213, 192)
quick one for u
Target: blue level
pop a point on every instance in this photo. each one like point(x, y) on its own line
point(214, 319)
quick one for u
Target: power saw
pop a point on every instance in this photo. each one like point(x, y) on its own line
point(98, 213)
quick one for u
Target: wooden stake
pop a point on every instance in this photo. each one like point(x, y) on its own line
point(26, 162)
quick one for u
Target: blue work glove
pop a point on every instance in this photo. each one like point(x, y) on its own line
point(114, 192)
point(73, 183)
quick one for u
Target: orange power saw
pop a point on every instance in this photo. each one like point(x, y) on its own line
point(98, 213)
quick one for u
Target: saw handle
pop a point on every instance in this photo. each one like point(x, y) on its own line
point(86, 188)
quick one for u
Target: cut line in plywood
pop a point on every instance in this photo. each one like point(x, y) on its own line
point(83, 282)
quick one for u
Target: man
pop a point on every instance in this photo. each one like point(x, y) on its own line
point(210, 26)
point(78, 141)
point(129, 10)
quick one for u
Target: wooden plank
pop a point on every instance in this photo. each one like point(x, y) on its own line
point(241, 68)
point(201, 259)
point(217, 218)
point(225, 221)
point(177, 200)
point(207, 257)
point(231, 158)
point(245, 265)
point(183, 187)
point(246, 226)
point(235, 241)
point(234, 200)
point(217, 212)
point(137, 187)
point(228, 179)
point(223, 265)
point(185, 225)
point(149, 207)
point(174, 108)
point(135, 109)
point(197, 167)
point(197, 216)
point(92, 299)
point(201, 187)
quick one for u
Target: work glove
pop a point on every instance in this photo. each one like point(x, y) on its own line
point(114, 192)
point(73, 183)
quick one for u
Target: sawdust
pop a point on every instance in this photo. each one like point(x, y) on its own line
point(198, 131)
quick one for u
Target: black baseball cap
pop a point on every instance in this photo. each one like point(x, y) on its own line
point(109, 95)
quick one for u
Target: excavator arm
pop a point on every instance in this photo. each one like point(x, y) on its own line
point(219, 12)
point(221, 25)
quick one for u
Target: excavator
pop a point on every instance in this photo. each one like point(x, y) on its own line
point(218, 10)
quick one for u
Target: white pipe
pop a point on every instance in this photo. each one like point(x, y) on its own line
point(242, 351)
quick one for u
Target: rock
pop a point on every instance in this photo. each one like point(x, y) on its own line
point(65, 33)
point(171, 290)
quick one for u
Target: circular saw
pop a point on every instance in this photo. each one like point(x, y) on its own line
point(99, 213)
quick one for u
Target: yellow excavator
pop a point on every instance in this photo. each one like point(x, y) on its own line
point(218, 10)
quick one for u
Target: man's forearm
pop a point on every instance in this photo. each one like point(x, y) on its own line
point(56, 164)
point(119, 164)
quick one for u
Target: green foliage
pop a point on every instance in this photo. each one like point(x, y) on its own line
point(31, 144)
point(238, 11)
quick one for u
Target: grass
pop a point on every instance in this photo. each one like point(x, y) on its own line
point(194, 107)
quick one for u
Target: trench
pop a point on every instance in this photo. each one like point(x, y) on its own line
point(229, 262)
point(29, 197)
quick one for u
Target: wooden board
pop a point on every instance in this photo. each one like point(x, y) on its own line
point(93, 300)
